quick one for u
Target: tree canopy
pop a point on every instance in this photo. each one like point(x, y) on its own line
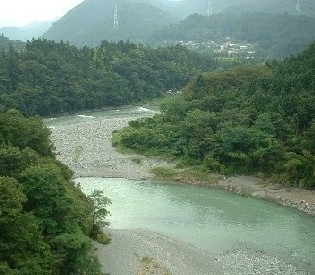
point(51, 78)
point(45, 220)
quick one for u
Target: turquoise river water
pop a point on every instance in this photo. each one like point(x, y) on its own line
point(214, 220)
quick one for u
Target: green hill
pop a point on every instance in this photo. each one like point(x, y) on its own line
point(92, 21)
point(243, 120)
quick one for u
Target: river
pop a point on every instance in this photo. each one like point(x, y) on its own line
point(214, 220)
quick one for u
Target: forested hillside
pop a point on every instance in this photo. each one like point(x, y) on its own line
point(136, 21)
point(51, 78)
point(243, 120)
point(277, 25)
point(273, 35)
point(45, 220)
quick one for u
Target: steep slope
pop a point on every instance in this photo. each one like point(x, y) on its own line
point(92, 21)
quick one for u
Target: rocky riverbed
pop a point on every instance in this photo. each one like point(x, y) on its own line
point(143, 252)
point(86, 148)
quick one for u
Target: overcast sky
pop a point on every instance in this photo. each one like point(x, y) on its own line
point(23, 12)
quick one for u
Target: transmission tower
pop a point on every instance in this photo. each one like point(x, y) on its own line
point(115, 23)
point(298, 6)
point(209, 10)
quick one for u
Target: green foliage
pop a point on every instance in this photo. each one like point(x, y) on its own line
point(164, 172)
point(22, 249)
point(244, 120)
point(50, 78)
point(100, 202)
point(18, 131)
point(74, 251)
point(42, 182)
point(45, 220)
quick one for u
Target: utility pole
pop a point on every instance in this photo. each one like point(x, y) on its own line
point(115, 23)
point(298, 6)
point(209, 11)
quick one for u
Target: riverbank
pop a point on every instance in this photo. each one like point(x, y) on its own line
point(143, 252)
point(87, 149)
point(303, 200)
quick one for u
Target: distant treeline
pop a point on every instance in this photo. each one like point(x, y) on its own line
point(6, 44)
point(50, 78)
point(242, 120)
point(275, 35)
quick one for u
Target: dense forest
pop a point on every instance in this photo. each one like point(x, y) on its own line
point(51, 78)
point(274, 35)
point(242, 120)
point(45, 220)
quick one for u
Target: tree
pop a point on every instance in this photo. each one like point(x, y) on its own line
point(48, 198)
point(22, 249)
point(99, 212)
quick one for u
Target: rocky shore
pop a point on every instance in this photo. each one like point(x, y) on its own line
point(144, 252)
point(303, 200)
point(86, 148)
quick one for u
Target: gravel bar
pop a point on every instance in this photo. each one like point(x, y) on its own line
point(145, 252)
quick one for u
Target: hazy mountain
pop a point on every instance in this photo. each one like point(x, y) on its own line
point(305, 7)
point(92, 21)
point(183, 8)
point(28, 32)
point(274, 35)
